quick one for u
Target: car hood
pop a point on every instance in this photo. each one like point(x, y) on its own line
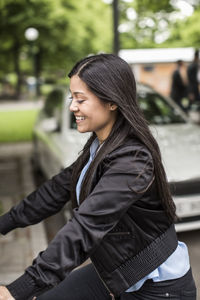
point(179, 144)
point(180, 148)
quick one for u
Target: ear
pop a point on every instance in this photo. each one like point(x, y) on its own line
point(113, 106)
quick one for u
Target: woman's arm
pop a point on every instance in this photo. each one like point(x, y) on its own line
point(127, 176)
point(47, 200)
point(5, 294)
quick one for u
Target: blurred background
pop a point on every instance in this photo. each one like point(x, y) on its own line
point(40, 40)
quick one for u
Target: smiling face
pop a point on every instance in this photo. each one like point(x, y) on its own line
point(92, 114)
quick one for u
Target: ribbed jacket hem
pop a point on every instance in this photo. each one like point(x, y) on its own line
point(6, 223)
point(137, 267)
point(23, 288)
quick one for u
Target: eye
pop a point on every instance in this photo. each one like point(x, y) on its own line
point(80, 101)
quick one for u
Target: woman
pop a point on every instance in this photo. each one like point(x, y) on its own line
point(123, 212)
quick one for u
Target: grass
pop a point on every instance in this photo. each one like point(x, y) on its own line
point(16, 126)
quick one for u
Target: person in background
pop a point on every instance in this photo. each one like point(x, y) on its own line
point(123, 212)
point(193, 79)
point(179, 86)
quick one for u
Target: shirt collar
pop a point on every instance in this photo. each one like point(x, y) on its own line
point(93, 147)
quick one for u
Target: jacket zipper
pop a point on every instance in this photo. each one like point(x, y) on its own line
point(110, 293)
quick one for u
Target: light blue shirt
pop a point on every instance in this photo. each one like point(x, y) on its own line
point(176, 265)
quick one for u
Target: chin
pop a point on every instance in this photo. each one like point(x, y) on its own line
point(82, 130)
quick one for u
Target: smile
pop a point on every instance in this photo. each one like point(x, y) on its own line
point(79, 118)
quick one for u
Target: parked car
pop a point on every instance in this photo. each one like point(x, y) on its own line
point(57, 144)
point(194, 113)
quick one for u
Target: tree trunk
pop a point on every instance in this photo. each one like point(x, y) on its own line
point(16, 55)
point(116, 43)
point(37, 70)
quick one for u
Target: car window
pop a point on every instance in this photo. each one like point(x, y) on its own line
point(156, 109)
point(53, 107)
point(72, 121)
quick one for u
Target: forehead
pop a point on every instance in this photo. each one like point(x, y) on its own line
point(77, 85)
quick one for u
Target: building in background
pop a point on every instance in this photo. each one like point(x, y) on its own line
point(155, 66)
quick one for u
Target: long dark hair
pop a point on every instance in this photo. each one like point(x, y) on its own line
point(111, 79)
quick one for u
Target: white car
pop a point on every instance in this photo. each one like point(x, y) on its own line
point(57, 144)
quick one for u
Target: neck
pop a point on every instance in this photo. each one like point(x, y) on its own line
point(100, 141)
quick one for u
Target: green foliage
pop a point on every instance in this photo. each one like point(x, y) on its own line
point(68, 30)
point(144, 6)
point(190, 31)
point(16, 126)
point(153, 19)
point(185, 33)
point(148, 22)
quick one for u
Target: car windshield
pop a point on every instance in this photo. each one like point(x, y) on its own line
point(157, 110)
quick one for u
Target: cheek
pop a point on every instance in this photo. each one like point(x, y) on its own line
point(101, 117)
point(101, 112)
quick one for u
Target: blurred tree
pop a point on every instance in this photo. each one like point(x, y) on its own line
point(116, 44)
point(186, 33)
point(143, 22)
point(68, 30)
point(152, 23)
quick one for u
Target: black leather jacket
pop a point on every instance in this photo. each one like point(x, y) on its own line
point(121, 225)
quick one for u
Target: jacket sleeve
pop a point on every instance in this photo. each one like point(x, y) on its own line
point(47, 200)
point(126, 177)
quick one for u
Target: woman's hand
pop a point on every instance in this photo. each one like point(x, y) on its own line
point(5, 294)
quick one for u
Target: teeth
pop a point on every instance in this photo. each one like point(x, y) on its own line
point(80, 118)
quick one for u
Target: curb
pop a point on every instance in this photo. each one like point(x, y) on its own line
point(22, 245)
point(38, 238)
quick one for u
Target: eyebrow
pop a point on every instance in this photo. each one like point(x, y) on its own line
point(76, 93)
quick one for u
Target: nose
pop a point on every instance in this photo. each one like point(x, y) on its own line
point(73, 106)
